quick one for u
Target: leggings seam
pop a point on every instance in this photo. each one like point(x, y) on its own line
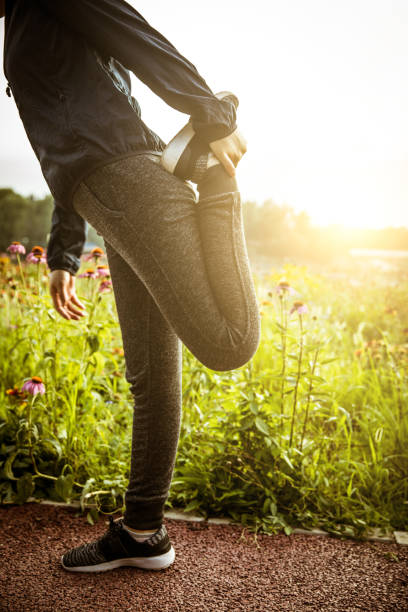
point(236, 258)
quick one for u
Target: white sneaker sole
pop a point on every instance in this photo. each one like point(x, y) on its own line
point(172, 153)
point(148, 563)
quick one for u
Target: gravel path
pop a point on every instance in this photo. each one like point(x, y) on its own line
point(215, 570)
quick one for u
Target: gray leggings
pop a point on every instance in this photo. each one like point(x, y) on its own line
point(179, 271)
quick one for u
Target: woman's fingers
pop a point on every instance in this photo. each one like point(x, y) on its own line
point(58, 305)
point(230, 150)
point(62, 289)
point(228, 165)
point(75, 300)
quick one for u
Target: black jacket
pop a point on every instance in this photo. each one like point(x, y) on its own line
point(67, 65)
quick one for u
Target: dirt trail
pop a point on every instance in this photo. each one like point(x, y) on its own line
point(215, 570)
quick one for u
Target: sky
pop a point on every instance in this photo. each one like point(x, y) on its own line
point(323, 93)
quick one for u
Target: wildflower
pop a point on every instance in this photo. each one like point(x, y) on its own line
point(15, 392)
point(105, 286)
point(11, 282)
point(36, 255)
point(358, 352)
point(300, 308)
point(102, 271)
point(118, 350)
point(34, 385)
point(4, 260)
point(16, 247)
point(89, 273)
point(95, 253)
point(283, 288)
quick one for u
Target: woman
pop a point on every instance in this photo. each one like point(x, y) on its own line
point(179, 266)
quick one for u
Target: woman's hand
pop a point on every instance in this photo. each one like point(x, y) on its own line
point(62, 290)
point(229, 150)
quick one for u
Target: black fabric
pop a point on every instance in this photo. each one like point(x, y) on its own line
point(67, 65)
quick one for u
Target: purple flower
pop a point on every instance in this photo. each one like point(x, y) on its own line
point(105, 286)
point(37, 255)
point(283, 288)
point(89, 273)
point(102, 271)
point(95, 253)
point(300, 308)
point(16, 247)
point(34, 385)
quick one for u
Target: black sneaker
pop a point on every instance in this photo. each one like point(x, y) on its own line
point(117, 547)
point(184, 150)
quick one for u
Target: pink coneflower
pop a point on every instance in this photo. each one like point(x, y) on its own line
point(37, 255)
point(283, 288)
point(102, 271)
point(34, 385)
point(95, 253)
point(16, 247)
point(105, 286)
point(300, 308)
point(89, 273)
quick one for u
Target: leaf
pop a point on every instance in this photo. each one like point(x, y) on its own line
point(254, 407)
point(8, 466)
point(85, 491)
point(55, 443)
point(350, 486)
point(25, 487)
point(63, 486)
point(262, 426)
point(287, 460)
point(93, 341)
point(92, 516)
point(97, 360)
point(192, 505)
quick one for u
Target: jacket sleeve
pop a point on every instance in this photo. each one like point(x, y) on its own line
point(66, 241)
point(116, 29)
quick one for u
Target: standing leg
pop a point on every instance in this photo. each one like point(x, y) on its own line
point(179, 269)
point(153, 368)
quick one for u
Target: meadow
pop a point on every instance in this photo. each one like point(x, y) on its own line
point(313, 431)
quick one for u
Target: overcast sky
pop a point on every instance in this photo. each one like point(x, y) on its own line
point(323, 94)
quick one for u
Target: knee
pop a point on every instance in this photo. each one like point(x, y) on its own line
point(232, 356)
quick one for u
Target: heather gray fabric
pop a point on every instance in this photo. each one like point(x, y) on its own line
point(180, 271)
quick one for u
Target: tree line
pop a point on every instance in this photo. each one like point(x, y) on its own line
point(271, 230)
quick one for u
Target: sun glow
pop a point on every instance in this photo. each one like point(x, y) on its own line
point(323, 99)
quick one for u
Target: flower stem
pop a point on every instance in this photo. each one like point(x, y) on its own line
point(309, 393)
point(284, 324)
point(21, 272)
point(298, 374)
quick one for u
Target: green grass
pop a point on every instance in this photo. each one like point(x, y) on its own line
point(312, 432)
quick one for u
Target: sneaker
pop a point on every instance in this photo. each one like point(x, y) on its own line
point(117, 548)
point(182, 153)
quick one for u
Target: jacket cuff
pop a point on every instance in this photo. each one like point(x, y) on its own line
point(216, 121)
point(69, 263)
